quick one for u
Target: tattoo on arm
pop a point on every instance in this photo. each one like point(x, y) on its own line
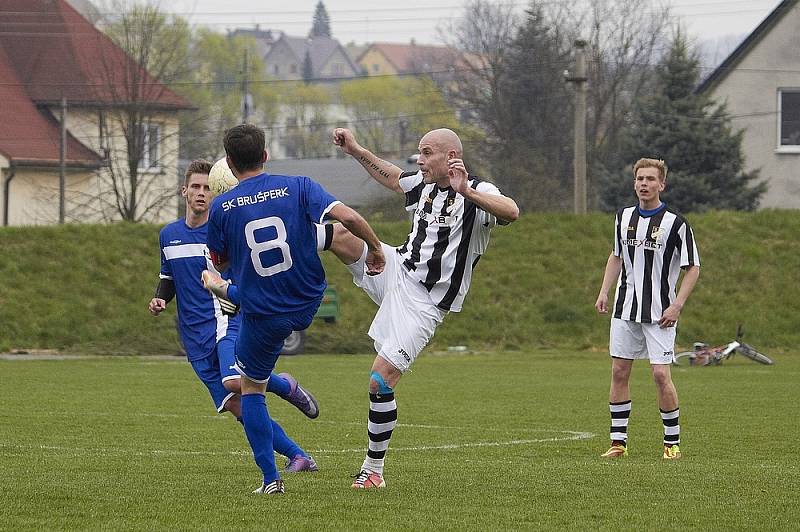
point(369, 164)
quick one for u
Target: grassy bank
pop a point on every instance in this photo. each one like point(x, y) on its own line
point(86, 288)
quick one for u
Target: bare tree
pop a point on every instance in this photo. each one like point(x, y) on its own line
point(483, 36)
point(138, 120)
point(627, 39)
point(513, 86)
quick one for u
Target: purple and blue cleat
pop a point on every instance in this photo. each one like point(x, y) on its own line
point(300, 397)
point(300, 464)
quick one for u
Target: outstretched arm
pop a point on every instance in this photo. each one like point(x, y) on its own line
point(503, 208)
point(359, 227)
point(384, 172)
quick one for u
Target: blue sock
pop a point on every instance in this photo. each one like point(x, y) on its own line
point(258, 428)
point(283, 444)
point(278, 385)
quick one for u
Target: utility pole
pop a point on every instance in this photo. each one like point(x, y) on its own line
point(579, 160)
point(245, 88)
point(403, 124)
point(62, 157)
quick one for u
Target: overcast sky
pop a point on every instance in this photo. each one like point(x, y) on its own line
point(400, 20)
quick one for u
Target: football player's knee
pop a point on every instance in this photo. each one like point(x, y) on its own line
point(233, 385)
point(378, 385)
point(662, 378)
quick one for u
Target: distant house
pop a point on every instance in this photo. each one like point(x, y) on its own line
point(264, 38)
point(345, 178)
point(329, 60)
point(760, 84)
point(380, 59)
point(60, 56)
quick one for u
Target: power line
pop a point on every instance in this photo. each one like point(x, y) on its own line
point(425, 75)
point(396, 118)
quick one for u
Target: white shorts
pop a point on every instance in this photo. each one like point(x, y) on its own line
point(406, 317)
point(632, 340)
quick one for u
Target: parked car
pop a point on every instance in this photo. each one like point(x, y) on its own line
point(328, 312)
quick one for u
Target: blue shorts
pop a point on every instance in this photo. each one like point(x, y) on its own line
point(261, 339)
point(217, 367)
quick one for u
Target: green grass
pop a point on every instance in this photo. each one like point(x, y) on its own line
point(82, 288)
point(121, 443)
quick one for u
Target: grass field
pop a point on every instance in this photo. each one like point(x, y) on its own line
point(491, 441)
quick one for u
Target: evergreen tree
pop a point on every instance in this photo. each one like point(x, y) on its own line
point(308, 67)
point(321, 26)
point(531, 145)
point(696, 139)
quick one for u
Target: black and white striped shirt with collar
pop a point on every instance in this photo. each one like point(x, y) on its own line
point(448, 236)
point(653, 247)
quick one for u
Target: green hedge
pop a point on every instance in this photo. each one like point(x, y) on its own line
point(85, 288)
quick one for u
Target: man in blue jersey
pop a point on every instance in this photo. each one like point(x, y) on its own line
point(207, 333)
point(652, 244)
point(264, 230)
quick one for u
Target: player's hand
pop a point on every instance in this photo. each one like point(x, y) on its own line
point(375, 261)
point(156, 306)
point(670, 316)
point(345, 139)
point(602, 304)
point(457, 173)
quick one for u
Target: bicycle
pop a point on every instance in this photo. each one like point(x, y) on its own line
point(703, 355)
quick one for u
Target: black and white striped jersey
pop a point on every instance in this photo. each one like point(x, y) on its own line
point(447, 238)
point(653, 250)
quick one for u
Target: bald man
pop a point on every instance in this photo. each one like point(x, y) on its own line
point(425, 278)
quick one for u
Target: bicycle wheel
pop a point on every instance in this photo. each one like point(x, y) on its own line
point(687, 358)
point(752, 354)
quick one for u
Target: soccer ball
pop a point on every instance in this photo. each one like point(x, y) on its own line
point(220, 178)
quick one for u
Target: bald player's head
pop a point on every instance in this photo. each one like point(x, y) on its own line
point(443, 139)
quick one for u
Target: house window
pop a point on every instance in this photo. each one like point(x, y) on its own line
point(151, 140)
point(376, 68)
point(275, 70)
point(789, 111)
point(338, 69)
point(293, 69)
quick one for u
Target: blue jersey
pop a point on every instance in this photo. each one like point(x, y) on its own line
point(184, 256)
point(265, 228)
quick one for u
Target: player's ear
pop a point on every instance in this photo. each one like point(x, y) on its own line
point(265, 156)
point(232, 166)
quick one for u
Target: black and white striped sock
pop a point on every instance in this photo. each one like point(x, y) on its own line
point(382, 420)
point(672, 427)
point(620, 413)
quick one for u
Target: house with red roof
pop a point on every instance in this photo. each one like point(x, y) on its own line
point(49, 53)
point(383, 58)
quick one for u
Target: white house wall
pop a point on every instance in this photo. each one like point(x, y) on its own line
point(83, 124)
point(336, 116)
point(751, 93)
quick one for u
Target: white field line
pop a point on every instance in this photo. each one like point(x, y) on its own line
point(568, 435)
point(226, 417)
